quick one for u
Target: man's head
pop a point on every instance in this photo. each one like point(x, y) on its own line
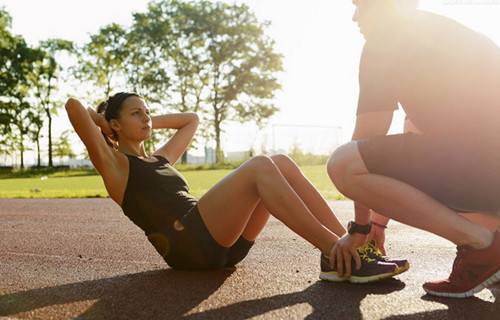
point(370, 14)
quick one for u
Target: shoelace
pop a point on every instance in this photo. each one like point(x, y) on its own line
point(370, 248)
point(364, 255)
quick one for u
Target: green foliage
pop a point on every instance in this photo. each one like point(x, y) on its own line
point(27, 76)
point(20, 120)
point(306, 158)
point(102, 58)
point(198, 56)
point(203, 56)
point(242, 65)
point(63, 147)
point(47, 73)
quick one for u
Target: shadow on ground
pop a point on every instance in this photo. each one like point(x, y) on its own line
point(470, 308)
point(169, 294)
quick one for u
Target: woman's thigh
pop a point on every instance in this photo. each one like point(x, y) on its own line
point(227, 206)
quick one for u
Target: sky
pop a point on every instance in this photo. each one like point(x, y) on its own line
point(319, 42)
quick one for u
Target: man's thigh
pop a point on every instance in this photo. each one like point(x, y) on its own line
point(463, 178)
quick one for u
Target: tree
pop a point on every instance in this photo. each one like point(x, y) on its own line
point(215, 54)
point(63, 146)
point(173, 45)
point(6, 42)
point(197, 55)
point(17, 115)
point(47, 75)
point(101, 60)
point(242, 65)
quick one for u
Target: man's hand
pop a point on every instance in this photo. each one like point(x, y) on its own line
point(343, 252)
point(377, 234)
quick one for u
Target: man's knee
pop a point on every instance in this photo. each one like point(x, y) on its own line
point(344, 163)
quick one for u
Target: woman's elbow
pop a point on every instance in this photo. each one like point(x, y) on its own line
point(195, 119)
point(71, 104)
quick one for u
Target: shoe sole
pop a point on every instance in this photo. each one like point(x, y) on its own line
point(491, 280)
point(334, 277)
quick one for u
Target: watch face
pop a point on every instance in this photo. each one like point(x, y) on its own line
point(350, 225)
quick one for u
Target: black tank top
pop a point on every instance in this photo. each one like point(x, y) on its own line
point(156, 195)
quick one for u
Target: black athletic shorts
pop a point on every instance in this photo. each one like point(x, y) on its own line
point(462, 176)
point(190, 246)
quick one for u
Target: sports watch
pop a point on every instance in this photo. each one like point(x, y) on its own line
point(353, 227)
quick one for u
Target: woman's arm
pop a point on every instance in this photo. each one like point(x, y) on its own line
point(101, 155)
point(186, 125)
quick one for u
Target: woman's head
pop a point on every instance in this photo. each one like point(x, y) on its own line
point(112, 106)
point(120, 105)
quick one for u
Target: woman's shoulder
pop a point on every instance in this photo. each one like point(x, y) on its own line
point(115, 175)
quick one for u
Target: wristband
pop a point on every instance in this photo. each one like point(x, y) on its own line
point(379, 225)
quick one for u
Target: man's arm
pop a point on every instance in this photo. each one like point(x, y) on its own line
point(372, 124)
point(369, 124)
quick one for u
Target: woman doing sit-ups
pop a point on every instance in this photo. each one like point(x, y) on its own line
point(219, 229)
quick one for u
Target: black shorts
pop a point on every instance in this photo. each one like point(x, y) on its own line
point(190, 246)
point(462, 176)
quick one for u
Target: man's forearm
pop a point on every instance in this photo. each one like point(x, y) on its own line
point(362, 214)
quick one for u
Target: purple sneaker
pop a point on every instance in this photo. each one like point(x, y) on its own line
point(370, 248)
point(371, 270)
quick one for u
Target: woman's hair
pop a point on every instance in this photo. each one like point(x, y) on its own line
point(111, 108)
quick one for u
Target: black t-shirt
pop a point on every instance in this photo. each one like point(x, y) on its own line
point(445, 76)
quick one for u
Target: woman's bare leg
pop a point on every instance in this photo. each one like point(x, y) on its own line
point(256, 223)
point(309, 194)
point(305, 190)
point(227, 208)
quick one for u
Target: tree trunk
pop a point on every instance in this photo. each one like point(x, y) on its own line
point(49, 116)
point(184, 157)
point(39, 162)
point(22, 150)
point(219, 156)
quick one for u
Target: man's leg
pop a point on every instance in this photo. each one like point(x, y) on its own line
point(400, 201)
point(404, 203)
point(489, 221)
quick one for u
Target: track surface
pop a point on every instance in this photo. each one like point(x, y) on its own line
point(82, 258)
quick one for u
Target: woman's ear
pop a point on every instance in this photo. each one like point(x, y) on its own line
point(114, 124)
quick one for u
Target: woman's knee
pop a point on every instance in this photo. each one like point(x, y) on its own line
point(287, 167)
point(283, 161)
point(261, 163)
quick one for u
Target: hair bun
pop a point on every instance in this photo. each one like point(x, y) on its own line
point(102, 106)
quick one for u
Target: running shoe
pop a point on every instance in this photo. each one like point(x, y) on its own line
point(371, 270)
point(370, 248)
point(473, 270)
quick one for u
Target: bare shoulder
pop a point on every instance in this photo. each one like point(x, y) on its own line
point(115, 175)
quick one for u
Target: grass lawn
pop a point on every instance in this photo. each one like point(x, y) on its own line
point(54, 186)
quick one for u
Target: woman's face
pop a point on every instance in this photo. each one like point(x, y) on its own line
point(134, 122)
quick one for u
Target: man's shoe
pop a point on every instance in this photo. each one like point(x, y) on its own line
point(473, 270)
point(371, 270)
point(370, 248)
